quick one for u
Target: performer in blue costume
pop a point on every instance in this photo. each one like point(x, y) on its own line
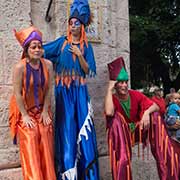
point(75, 140)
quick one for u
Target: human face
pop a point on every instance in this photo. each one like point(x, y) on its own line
point(175, 98)
point(122, 87)
point(159, 93)
point(35, 50)
point(75, 26)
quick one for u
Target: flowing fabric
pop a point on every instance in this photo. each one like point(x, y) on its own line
point(36, 149)
point(36, 144)
point(75, 139)
point(119, 142)
point(76, 151)
point(164, 149)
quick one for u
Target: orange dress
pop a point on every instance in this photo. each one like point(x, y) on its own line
point(36, 144)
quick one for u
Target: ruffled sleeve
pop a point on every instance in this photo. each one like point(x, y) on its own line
point(90, 59)
point(52, 50)
point(144, 102)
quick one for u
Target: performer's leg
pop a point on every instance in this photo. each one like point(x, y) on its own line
point(156, 151)
point(88, 161)
point(119, 148)
point(29, 152)
point(165, 150)
point(47, 151)
point(65, 133)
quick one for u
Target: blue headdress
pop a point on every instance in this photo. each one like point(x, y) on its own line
point(80, 9)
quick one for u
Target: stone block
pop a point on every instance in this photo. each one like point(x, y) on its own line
point(2, 59)
point(123, 37)
point(5, 138)
point(122, 9)
point(101, 134)
point(10, 155)
point(11, 174)
point(4, 112)
point(5, 93)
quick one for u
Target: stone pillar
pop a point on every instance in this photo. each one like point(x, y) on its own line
point(14, 14)
point(115, 43)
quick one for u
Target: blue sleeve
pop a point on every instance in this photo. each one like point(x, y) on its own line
point(173, 110)
point(176, 107)
point(52, 50)
point(90, 59)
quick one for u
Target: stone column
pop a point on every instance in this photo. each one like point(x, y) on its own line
point(115, 43)
point(13, 14)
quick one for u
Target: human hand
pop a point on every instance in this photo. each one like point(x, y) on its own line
point(45, 118)
point(74, 49)
point(111, 84)
point(145, 121)
point(28, 122)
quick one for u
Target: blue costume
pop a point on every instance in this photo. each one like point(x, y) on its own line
point(75, 141)
point(173, 109)
point(172, 117)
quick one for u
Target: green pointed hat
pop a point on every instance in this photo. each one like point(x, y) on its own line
point(117, 70)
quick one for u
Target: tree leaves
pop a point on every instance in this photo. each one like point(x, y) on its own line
point(155, 40)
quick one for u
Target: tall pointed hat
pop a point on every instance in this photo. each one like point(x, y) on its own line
point(117, 70)
point(80, 9)
point(26, 35)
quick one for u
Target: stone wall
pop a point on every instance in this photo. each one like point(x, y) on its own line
point(13, 15)
point(114, 21)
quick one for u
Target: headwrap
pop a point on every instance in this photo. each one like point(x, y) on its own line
point(80, 9)
point(26, 35)
point(117, 70)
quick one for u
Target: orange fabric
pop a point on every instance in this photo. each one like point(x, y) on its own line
point(159, 122)
point(28, 96)
point(23, 34)
point(114, 164)
point(127, 148)
point(66, 80)
point(128, 172)
point(110, 152)
point(14, 114)
point(172, 161)
point(176, 159)
point(36, 144)
point(166, 146)
point(36, 151)
point(162, 142)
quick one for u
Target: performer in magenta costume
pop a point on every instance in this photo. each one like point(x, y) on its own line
point(132, 117)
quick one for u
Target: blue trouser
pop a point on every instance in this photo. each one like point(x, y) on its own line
point(75, 140)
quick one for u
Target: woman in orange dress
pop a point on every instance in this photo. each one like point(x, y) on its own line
point(30, 116)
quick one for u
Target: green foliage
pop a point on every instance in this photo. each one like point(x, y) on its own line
point(155, 42)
